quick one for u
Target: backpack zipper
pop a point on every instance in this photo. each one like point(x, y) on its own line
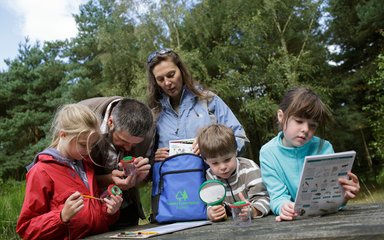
point(175, 172)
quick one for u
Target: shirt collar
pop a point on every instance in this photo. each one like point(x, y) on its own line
point(185, 96)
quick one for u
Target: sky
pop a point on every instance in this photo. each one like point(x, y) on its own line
point(39, 20)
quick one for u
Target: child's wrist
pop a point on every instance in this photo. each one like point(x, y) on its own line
point(62, 218)
point(255, 212)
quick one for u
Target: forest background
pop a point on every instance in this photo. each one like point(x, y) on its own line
point(248, 52)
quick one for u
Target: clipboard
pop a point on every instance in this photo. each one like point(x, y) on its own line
point(163, 229)
point(319, 192)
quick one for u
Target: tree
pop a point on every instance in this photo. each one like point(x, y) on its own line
point(85, 68)
point(120, 48)
point(253, 51)
point(31, 91)
point(248, 52)
point(354, 28)
point(375, 110)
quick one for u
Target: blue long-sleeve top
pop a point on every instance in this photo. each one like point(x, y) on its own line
point(281, 167)
point(194, 114)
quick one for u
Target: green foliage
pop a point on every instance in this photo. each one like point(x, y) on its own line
point(380, 177)
point(253, 51)
point(248, 52)
point(12, 196)
point(145, 196)
point(34, 85)
point(376, 109)
point(85, 68)
point(354, 28)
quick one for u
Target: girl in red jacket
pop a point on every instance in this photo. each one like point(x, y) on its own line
point(54, 206)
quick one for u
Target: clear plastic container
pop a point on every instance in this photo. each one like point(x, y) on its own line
point(111, 190)
point(241, 213)
point(128, 166)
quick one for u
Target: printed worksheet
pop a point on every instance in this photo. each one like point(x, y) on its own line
point(163, 229)
point(319, 191)
point(180, 146)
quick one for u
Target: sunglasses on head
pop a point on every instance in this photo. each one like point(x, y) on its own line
point(158, 53)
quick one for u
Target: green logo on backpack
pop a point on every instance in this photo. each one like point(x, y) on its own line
point(182, 195)
point(181, 200)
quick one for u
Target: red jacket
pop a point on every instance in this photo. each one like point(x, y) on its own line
point(49, 184)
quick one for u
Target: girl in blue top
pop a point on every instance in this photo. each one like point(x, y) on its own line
point(300, 114)
point(181, 107)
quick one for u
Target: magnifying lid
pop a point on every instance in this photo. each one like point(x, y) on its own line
point(212, 192)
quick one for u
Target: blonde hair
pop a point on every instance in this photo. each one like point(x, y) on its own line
point(216, 140)
point(74, 120)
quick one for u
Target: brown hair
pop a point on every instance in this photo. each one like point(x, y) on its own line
point(154, 91)
point(304, 103)
point(132, 116)
point(216, 140)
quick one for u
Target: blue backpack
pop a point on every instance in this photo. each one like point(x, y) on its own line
point(175, 189)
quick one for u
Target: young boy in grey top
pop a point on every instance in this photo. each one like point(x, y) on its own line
point(241, 176)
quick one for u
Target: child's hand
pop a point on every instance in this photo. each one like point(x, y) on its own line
point(255, 212)
point(286, 212)
point(161, 154)
point(216, 213)
point(113, 204)
point(72, 206)
point(351, 186)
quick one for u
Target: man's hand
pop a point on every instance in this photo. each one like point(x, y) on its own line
point(126, 182)
point(122, 181)
point(142, 168)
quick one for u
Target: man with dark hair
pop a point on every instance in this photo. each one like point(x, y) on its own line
point(127, 128)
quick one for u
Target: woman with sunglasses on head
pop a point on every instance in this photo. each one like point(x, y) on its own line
point(181, 106)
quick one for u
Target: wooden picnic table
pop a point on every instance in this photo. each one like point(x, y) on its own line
point(356, 221)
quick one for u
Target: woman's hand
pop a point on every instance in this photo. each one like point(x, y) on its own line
point(72, 206)
point(195, 148)
point(161, 154)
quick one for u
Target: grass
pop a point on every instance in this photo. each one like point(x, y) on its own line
point(369, 196)
point(11, 200)
point(375, 197)
point(12, 195)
